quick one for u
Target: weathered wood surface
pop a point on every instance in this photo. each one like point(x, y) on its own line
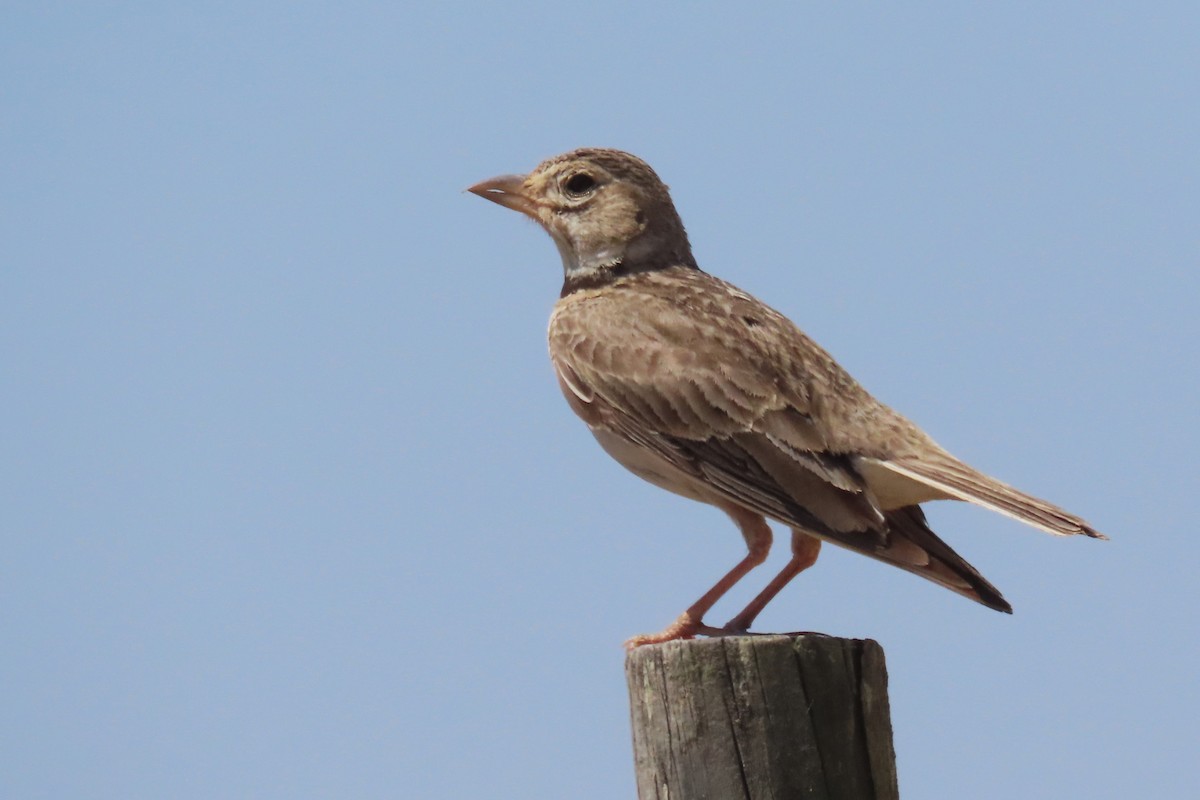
point(759, 717)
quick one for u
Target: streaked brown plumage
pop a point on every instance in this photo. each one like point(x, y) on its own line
point(704, 391)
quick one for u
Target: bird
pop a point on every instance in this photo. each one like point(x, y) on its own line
point(703, 390)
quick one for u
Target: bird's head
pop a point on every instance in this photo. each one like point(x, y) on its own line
point(606, 210)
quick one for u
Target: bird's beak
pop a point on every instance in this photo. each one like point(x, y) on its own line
point(508, 191)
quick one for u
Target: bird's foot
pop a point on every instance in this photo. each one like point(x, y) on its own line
point(687, 628)
point(683, 628)
point(738, 626)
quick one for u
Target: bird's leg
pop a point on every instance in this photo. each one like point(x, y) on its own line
point(805, 549)
point(757, 534)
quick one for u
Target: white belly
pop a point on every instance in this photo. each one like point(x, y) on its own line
point(653, 468)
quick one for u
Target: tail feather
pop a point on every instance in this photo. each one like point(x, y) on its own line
point(961, 481)
point(916, 548)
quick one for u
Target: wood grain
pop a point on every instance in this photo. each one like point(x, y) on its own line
point(757, 717)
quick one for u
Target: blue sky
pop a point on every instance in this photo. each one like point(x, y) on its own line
point(292, 506)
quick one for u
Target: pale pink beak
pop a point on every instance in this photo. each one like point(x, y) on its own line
point(508, 191)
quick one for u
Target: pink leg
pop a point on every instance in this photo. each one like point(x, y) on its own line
point(757, 534)
point(805, 549)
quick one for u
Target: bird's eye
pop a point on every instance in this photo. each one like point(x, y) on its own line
point(579, 184)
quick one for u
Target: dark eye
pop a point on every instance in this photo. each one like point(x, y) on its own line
point(579, 184)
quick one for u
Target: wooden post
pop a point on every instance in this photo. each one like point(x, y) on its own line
point(755, 717)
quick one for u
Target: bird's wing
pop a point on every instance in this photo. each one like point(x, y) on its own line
point(711, 383)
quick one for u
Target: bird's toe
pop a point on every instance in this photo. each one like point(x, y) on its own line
point(683, 628)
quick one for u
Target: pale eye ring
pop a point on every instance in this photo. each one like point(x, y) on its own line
point(579, 184)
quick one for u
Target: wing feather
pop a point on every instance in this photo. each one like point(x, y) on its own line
point(734, 398)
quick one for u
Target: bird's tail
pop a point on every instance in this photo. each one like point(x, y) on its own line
point(911, 545)
point(947, 474)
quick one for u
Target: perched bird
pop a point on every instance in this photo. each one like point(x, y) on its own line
point(702, 390)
